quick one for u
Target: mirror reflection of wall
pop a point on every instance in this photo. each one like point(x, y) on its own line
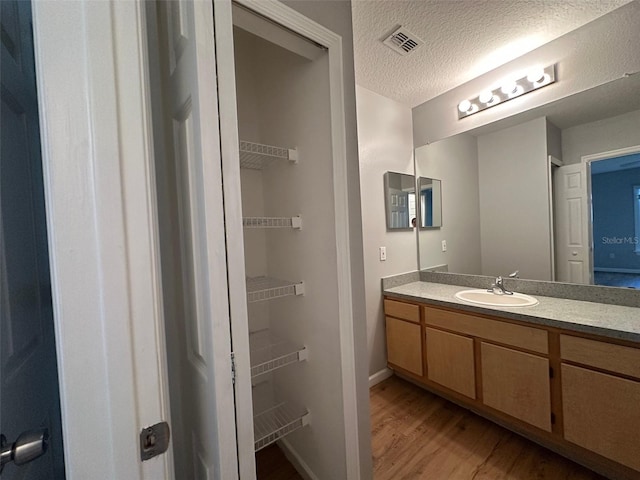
point(400, 200)
point(430, 206)
point(519, 193)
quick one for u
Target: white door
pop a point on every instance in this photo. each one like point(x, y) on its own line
point(573, 254)
point(91, 74)
point(205, 443)
point(29, 396)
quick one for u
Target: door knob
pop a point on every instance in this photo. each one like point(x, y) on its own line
point(29, 446)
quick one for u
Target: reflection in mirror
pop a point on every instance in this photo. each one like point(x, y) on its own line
point(430, 205)
point(400, 200)
point(535, 193)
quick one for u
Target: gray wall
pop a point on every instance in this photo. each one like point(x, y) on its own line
point(514, 201)
point(386, 144)
point(601, 51)
point(602, 136)
point(455, 162)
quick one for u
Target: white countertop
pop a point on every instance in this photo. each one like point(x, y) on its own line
point(612, 321)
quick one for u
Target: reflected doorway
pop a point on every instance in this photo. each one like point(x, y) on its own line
point(615, 209)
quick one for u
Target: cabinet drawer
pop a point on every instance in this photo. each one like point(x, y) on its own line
point(517, 384)
point(450, 361)
point(601, 414)
point(406, 311)
point(528, 338)
point(404, 345)
point(607, 356)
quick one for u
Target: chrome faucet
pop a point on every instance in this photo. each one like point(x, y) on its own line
point(499, 284)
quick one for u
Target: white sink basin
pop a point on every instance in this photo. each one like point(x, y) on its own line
point(483, 297)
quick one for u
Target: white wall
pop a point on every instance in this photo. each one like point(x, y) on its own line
point(602, 136)
point(514, 208)
point(385, 144)
point(455, 162)
point(601, 51)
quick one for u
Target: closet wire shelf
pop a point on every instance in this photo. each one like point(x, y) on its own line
point(269, 353)
point(276, 422)
point(272, 222)
point(257, 156)
point(267, 288)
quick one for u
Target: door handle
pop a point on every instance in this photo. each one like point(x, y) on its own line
point(29, 446)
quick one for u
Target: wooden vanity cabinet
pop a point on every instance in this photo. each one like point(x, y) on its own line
point(404, 336)
point(517, 383)
point(601, 409)
point(510, 363)
point(589, 410)
point(450, 361)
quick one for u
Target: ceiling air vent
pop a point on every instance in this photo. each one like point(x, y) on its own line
point(402, 41)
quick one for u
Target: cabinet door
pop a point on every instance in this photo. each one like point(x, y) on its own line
point(450, 361)
point(404, 345)
point(518, 384)
point(601, 413)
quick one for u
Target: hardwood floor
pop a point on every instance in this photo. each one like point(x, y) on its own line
point(271, 464)
point(418, 435)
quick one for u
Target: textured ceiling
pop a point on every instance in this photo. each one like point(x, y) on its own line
point(463, 39)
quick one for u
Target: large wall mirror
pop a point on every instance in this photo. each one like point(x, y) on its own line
point(553, 192)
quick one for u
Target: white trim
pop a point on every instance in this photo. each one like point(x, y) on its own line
point(617, 270)
point(296, 460)
point(380, 376)
point(620, 152)
point(553, 163)
point(102, 225)
point(289, 18)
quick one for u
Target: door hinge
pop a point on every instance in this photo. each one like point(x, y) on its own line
point(550, 372)
point(233, 367)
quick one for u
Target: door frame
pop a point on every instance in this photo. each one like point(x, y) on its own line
point(281, 14)
point(588, 160)
point(97, 155)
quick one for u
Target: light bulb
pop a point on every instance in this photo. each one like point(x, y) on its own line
point(464, 106)
point(486, 96)
point(509, 88)
point(536, 75)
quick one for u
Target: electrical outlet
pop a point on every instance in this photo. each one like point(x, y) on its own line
point(383, 254)
point(444, 245)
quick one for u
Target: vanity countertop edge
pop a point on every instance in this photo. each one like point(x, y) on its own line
point(612, 321)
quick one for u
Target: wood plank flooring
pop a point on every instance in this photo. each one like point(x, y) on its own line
point(271, 464)
point(418, 435)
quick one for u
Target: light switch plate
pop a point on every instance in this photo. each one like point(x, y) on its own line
point(444, 245)
point(383, 254)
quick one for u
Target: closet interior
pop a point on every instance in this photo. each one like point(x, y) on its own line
point(289, 237)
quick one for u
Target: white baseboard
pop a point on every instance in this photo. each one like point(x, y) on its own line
point(299, 464)
point(617, 270)
point(378, 377)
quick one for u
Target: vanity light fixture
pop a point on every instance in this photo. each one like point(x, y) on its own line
point(535, 79)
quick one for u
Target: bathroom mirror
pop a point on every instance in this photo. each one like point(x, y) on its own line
point(400, 200)
point(538, 193)
point(430, 202)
